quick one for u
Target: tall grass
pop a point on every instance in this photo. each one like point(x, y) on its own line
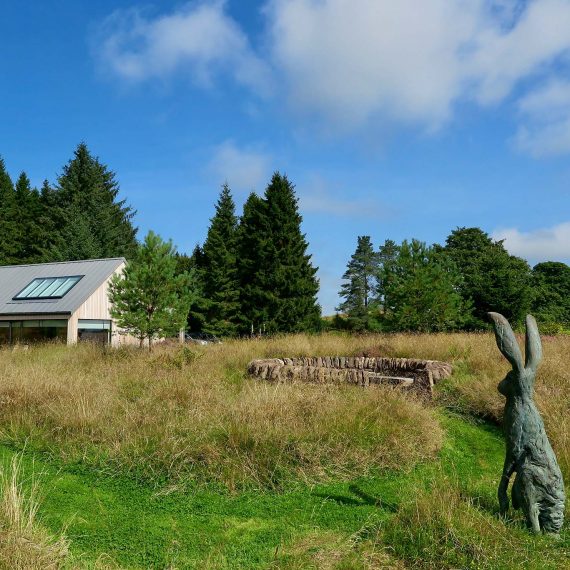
point(193, 414)
point(24, 543)
point(180, 414)
point(440, 529)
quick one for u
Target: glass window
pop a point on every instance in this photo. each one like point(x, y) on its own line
point(48, 287)
point(92, 330)
point(92, 324)
point(4, 332)
point(31, 331)
point(27, 332)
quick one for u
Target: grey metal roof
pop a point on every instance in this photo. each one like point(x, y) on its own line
point(13, 278)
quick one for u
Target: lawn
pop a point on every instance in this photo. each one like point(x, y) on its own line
point(177, 460)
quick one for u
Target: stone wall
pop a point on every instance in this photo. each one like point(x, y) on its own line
point(358, 370)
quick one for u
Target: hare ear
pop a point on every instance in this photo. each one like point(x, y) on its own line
point(506, 341)
point(533, 344)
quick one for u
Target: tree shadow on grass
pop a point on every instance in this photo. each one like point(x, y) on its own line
point(359, 498)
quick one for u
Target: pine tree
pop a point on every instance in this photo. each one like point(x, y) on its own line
point(387, 258)
point(150, 300)
point(360, 290)
point(8, 218)
point(219, 275)
point(93, 221)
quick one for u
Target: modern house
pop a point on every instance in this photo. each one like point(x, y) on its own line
point(66, 301)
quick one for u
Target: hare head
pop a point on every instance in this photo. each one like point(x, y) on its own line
point(520, 380)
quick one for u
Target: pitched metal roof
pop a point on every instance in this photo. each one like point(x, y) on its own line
point(13, 279)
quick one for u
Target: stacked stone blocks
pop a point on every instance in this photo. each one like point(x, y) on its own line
point(357, 370)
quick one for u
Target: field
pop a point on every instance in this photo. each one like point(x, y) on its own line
point(175, 459)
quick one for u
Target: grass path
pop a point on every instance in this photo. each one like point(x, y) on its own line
point(140, 528)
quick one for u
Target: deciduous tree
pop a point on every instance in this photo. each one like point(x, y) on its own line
point(492, 279)
point(422, 290)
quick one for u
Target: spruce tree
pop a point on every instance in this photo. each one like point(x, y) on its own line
point(8, 218)
point(360, 288)
point(290, 278)
point(32, 234)
point(219, 274)
point(93, 221)
point(197, 314)
point(252, 265)
point(50, 220)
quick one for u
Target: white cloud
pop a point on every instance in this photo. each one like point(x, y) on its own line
point(548, 244)
point(245, 169)
point(546, 120)
point(199, 38)
point(351, 61)
point(408, 61)
point(364, 64)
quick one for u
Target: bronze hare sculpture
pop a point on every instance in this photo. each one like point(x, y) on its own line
point(538, 488)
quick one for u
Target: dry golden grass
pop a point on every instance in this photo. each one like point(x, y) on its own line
point(180, 414)
point(24, 544)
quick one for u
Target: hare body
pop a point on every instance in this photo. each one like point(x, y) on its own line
point(538, 488)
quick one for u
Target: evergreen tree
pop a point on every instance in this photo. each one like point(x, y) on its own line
point(387, 257)
point(253, 265)
point(492, 279)
point(290, 281)
point(198, 309)
point(31, 233)
point(551, 304)
point(50, 221)
point(219, 275)
point(150, 300)
point(422, 291)
point(8, 218)
point(360, 288)
point(93, 221)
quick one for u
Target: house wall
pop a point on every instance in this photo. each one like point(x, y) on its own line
point(97, 306)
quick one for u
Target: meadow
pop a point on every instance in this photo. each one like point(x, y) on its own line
point(176, 459)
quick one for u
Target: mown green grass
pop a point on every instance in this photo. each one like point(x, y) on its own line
point(365, 523)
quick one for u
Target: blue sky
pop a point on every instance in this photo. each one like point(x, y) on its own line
point(394, 119)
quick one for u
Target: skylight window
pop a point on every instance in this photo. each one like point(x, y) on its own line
point(48, 288)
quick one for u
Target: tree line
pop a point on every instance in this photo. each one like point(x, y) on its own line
point(251, 275)
point(415, 287)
